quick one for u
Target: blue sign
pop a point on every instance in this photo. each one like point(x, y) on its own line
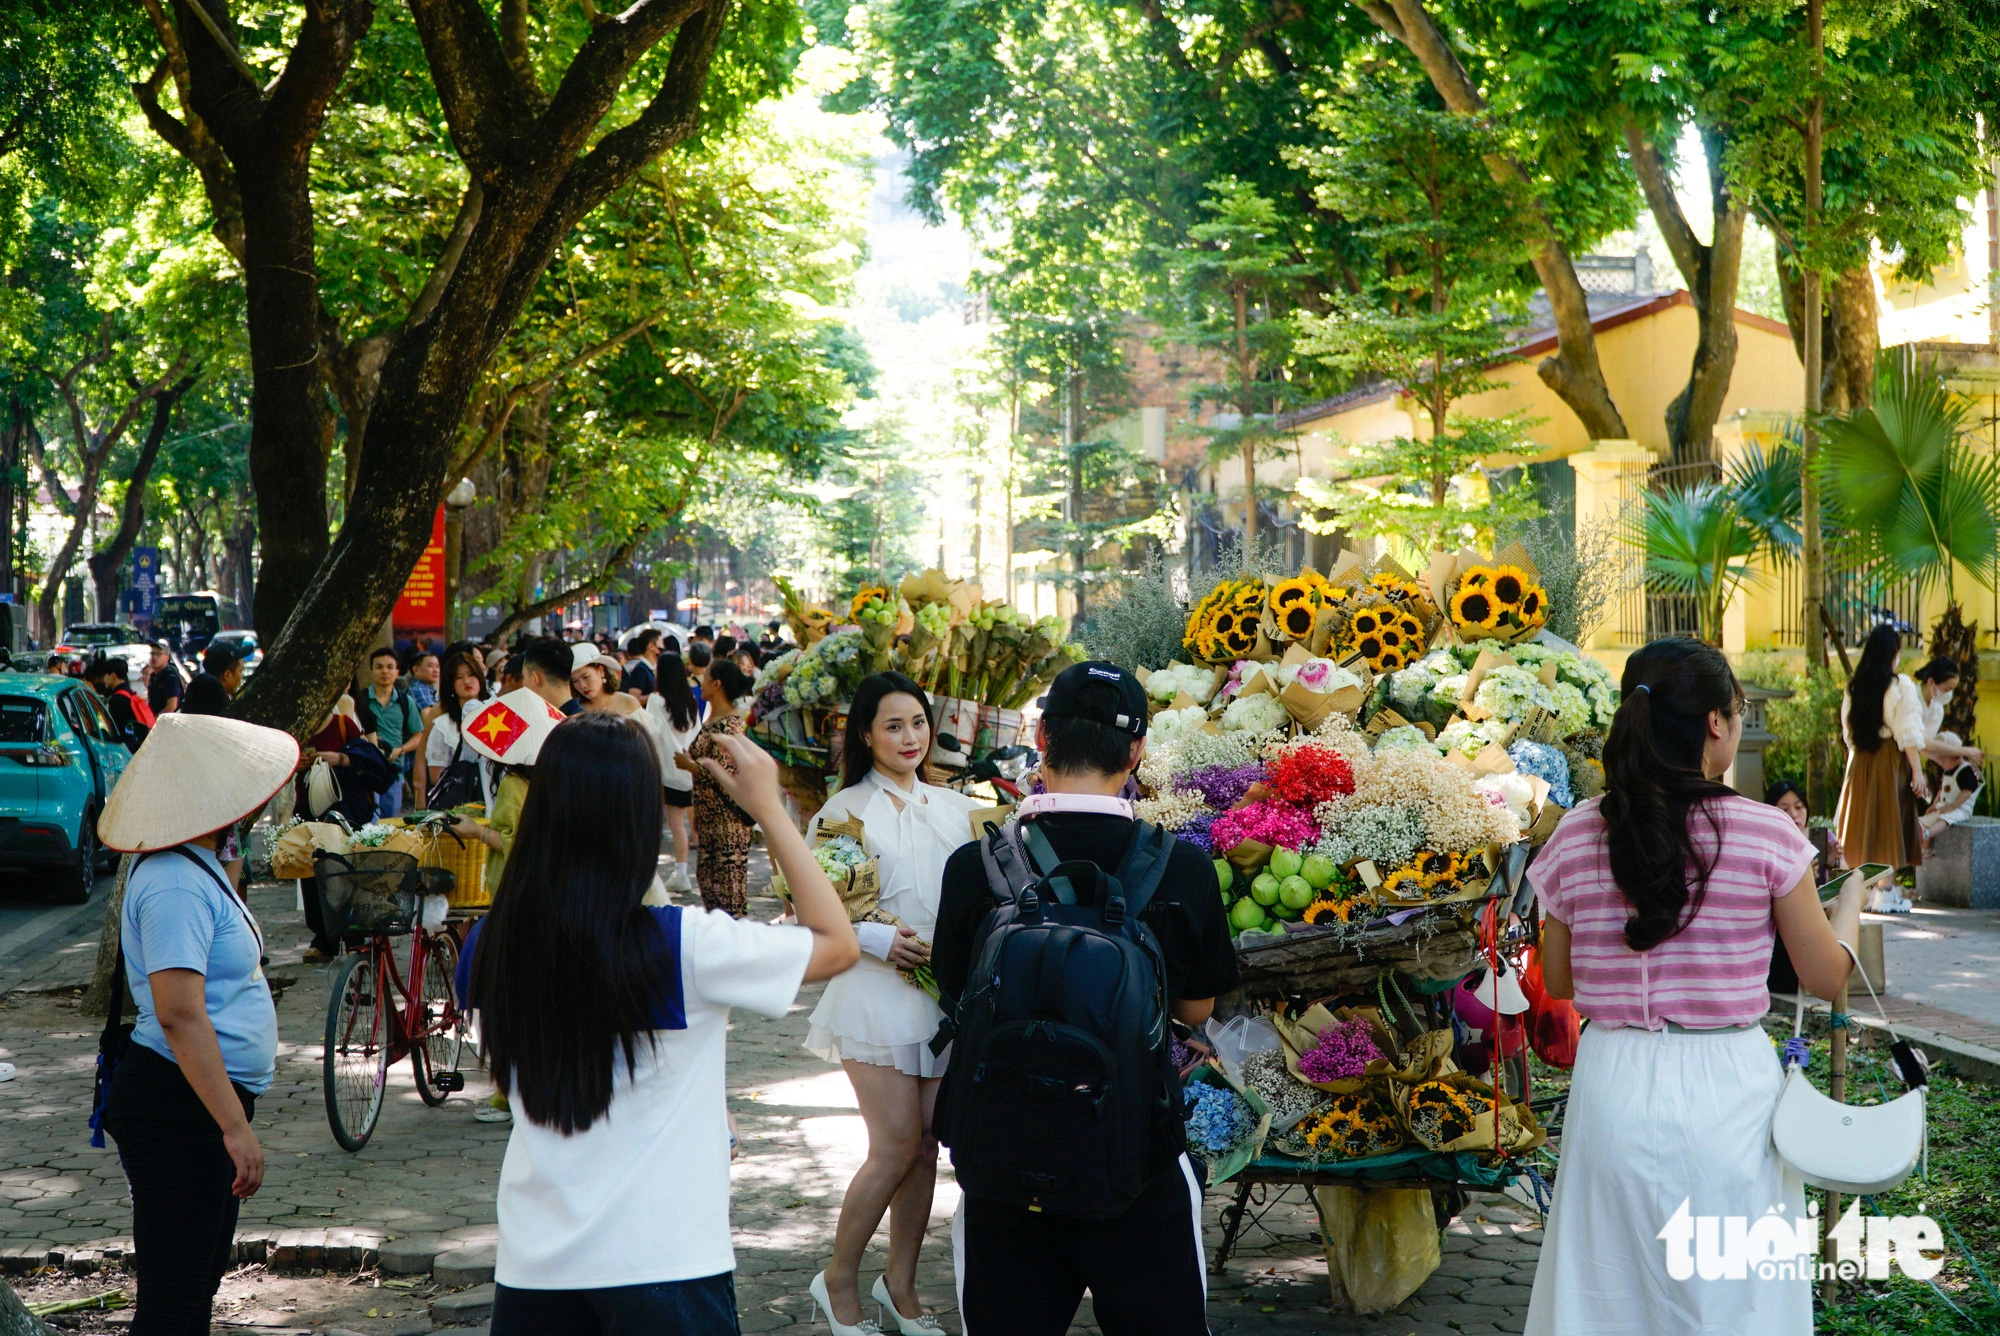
point(145, 583)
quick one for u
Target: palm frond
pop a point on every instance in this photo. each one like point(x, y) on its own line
point(1770, 494)
point(1916, 500)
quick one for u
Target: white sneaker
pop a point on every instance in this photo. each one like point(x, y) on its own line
point(678, 883)
point(486, 1113)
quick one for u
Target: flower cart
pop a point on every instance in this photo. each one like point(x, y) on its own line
point(1369, 759)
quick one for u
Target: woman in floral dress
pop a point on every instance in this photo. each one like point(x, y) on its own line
point(722, 831)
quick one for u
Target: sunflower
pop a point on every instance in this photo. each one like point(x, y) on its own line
point(1240, 641)
point(1476, 577)
point(1509, 583)
point(1403, 884)
point(1365, 623)
point(1473, 606)
point(1324, 910)
point(1390, 661)
point(1248, 596)
point(1297, 620)
point(1368, 647)
point(1393, 587)
point(1287, 592)
point(1411, 626)
point(1534, 605)
point(1440, 1113)
point(1437, 869)
point(1223, 622)
point(868, 594)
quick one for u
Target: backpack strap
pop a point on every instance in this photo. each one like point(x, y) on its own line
point(1008, 871)
point(1147, 854)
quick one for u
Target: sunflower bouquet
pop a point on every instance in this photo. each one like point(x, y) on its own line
point(807, 622)
point(1297, 611)
point(1386, 635)
point(1497, 598)
point(1227, 624)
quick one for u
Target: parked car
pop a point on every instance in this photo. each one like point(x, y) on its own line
point(245, 645)
point(114, 640)
point(60, 757)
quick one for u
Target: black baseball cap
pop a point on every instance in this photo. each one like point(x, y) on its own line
point(1100, 692)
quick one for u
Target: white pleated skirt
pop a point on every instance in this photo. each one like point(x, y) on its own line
point(1657, 1118)
point(873, 1014)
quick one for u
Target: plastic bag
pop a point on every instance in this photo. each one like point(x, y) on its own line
point(1237, 1040)
point(1381, 1244)
point(1553, 1024)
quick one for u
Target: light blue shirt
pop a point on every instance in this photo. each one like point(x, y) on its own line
point(177, 917)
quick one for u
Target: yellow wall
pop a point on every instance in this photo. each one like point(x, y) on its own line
point(1645, 364)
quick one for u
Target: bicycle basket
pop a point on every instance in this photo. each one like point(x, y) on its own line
point(368, 891)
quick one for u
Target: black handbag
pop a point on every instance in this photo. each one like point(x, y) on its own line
point(458, 783)
point(111, 1045)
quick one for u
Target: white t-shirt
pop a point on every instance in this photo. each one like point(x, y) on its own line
point(642, 1196)
point(671, 742)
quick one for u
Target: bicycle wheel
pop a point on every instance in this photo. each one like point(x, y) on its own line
point(356, 1068)
point(435, 1056)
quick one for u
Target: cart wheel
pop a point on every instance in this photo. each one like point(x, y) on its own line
point(434, 1059)
point(356, 1066)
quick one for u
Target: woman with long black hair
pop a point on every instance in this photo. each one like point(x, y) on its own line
point(463, 683)
point(1660, 904)
point(676, 719)
point(871, 1020)
point(604, 1020)
point(1884, 786)
point(722, 873)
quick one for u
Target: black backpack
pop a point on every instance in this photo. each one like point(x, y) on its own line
point(1061, 1077)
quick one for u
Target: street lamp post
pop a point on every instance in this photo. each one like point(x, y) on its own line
point(456, 500)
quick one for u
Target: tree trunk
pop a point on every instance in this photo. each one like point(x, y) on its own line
point(107, 567)
point(11, 440)
point(1573, 372)
point(1711, 273)
point(1849, 335)
point(15, 1319)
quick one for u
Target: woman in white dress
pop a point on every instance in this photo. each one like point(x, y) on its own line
point(675, 715)
point(872, 1020)
point(462, 690)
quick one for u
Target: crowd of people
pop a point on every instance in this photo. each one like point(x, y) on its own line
point(602, 1004)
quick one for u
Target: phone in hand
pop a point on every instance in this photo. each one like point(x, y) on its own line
point(1867, 872)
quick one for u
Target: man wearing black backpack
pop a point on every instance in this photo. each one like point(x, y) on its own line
point(1064, 943)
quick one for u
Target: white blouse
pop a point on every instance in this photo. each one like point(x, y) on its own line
point(1902, 714)
point(910, 835)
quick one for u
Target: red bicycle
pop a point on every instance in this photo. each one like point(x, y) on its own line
point(383, 1007)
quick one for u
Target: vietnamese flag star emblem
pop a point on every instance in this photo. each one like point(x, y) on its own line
point(500, 728)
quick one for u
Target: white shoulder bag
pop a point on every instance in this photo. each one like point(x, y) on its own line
point(1853, 1148)
point(322, 789)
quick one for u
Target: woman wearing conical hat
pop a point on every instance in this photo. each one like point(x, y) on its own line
point(205, 1044)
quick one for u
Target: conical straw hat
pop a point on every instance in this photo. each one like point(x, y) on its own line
point(194, 773)
point(510, 730)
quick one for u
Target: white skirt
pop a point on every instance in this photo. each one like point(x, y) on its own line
point(1656, 1119)
point(872, 1014)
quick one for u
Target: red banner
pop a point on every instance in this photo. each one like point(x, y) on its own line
point(420, 611)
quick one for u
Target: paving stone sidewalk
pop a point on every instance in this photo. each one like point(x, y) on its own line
point(421, 1195)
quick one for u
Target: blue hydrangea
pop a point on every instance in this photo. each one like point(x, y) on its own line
point(1218, 1119)
point(1546, 763)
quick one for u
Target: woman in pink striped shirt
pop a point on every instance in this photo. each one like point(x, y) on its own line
point(1660, 903)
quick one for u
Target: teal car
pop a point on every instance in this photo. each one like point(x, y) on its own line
point(60, 756)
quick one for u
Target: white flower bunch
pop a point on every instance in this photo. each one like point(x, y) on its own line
point(1471, 738)
point(1409, 687)
point(1513, 792)
point(1321, 675)
point(1390, 834)
point(1573, 709)
point(1261, 713)
point(1447, 689)
point(780, 666)
point(1510, 692)
point(1403, 736)
point(1171, 681)
point(1196, 750)
point(1170, 724)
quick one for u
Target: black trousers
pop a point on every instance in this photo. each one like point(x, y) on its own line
point(704, 1307)
point(1023, 1273)
point(183, 1215)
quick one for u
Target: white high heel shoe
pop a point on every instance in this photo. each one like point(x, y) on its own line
point(905, 1326)
point(821, 1304)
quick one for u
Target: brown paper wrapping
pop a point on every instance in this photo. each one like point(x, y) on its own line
point(1299, 1036)
point(1249, 855)
point(292, 854)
